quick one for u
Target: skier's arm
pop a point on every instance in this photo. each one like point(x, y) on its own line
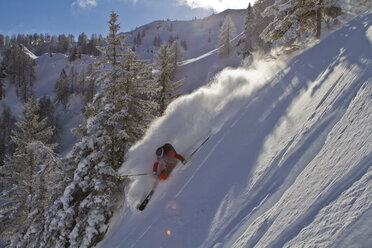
point(155, 168)
point(179, 157)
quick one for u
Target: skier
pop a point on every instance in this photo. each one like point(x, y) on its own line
point(167, 159)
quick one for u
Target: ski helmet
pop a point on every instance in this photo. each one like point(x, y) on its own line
point(160, 152)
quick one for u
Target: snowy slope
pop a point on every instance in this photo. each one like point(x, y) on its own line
point(201, 59)
point(288, 162)
point(194, 32)
point(47, 72)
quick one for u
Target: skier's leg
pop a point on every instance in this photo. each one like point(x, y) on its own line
point(163, 175)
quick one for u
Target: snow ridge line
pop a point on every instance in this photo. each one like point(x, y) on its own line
point(189, 61)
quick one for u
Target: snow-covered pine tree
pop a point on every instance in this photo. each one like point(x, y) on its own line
point(260, 23)
point(26, 173)
point(61, 89)
point(47, 110)
point(53, 45)
point(28, 76)
point(83, 43)
point(115, 119)
point(80, 87)
point(297, 19)
point(73, 54)
point(141, 88)
point(178, 53)
point(7, 124)
point(228, 32)
point(20, 68)
point(168, 87)
point(2, 43)
point(72, 80)
point(245, 44)
point(89, 90)
point(248, 30)
point(2, 91)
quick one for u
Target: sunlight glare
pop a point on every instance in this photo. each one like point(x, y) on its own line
point(217, 5)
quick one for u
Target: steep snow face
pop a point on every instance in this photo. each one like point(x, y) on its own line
point(288, 163)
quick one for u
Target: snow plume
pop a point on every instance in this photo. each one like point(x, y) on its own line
point(217, 103)
point(85, 3)
point(217, 5)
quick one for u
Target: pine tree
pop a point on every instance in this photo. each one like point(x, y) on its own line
point(140, 89)
point(116, 118)
point(7, 124)
point(72, 80)
point(61, 89)
point(47, 110)
point(73, 54)
point(27, 173)
point(83, 43)
point(20, 69)
point(80, 87)
point(90, 89)
point(184, 45)
point(2, 91)
point(28, 74)
point(296, 19)
point(157, 41)
point(2, 41)
point(139, 40)
point(168, 88)
point(248, 30)
point(260, 23)
point(177, 50)
point(53, 46)
point(228, 31)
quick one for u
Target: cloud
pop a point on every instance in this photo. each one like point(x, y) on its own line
point(85, 3)
point(217, 5)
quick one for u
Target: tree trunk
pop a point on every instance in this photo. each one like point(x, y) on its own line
point(319, 20)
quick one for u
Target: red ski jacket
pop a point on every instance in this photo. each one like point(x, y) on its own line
point(167, 161)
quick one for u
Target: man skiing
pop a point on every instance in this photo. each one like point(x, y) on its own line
point(167, 159)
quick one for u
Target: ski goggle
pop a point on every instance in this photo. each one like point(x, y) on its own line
point(160, 152)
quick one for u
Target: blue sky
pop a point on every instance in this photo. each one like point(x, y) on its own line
point(91, 16)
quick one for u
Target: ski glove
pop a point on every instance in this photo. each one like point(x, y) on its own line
point(154, 172)
point(184, 161)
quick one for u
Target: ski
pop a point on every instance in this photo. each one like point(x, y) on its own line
point(142, 206)
point(144, 203)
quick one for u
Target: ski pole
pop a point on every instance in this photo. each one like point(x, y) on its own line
point(200, 146)
point(133, 175)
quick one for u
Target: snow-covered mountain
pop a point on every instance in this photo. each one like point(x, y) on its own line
point(196, 33)
point(288, 163)
point(201, 37)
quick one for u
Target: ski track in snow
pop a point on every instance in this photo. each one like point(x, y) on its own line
point(198, 168)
